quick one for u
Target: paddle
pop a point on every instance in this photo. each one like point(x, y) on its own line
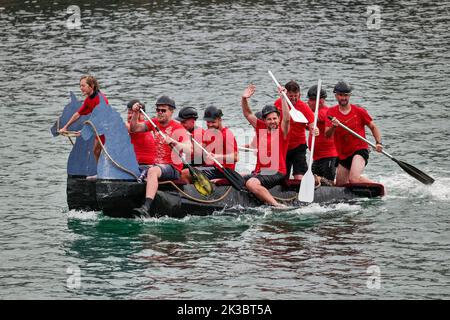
point(199, 180)
point(296, 115)
point(409, 169)
point(306, 192)
point(235, 179)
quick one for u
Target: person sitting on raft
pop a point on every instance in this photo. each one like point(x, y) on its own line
point(221, 144)
point(187, 117)
point(89, 87)
point(168, 163)
point(272, 143)
point(143, 142)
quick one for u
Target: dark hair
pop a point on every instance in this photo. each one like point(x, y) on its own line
point(292, 86)
point(91, 82)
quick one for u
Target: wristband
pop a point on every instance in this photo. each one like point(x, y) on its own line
point(377, 142)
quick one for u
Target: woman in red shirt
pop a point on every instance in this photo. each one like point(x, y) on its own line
point(89, 87)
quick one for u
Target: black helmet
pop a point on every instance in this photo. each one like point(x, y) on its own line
point(187, 113)
point(342, 87)
point(212, 113)
point(133, 102)
point(258, 115)
point(312, 92)
point(268, 109)
point(166, 100)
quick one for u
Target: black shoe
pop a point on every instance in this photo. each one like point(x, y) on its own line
point(141, 212)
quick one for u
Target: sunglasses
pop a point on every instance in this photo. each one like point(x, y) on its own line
point(158, 110)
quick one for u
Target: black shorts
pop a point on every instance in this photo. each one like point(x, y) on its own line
point(268, 181)
point(325, 167)
point(211, 172)
point(296, 158)
point(168, 172)
point(347, 162)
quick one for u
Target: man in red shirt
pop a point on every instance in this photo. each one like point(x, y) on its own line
point(220, 143)
point(353, 153)
point(187, 117)
point(143, 142)
point(325, 154)
point(89, 87)
point(272, 141)
point(296, 154)
point(168, 163)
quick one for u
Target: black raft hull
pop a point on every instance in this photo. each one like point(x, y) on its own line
point(81, 194)
point(118, 198)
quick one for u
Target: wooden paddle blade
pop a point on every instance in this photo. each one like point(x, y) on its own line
point(414, 172)
point(297, 116)
point(201, 182)
point(236, 180)
point(306, 192)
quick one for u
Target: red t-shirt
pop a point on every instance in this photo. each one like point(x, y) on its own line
point(164, 153)
point(272, 149)
point(297, 134)
point(323, 147)
point(356, 119)
point(197, 153)
point(144, 147)
point(91, 102)
point(220, 142)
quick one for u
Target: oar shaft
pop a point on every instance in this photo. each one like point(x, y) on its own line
point(316, 113)
point(163, 136)
point(153, 124)
point(204, 150)
point(411, 170)
point(363, 139)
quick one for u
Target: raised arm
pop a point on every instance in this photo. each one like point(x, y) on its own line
point(136, 126)
point(248, 114)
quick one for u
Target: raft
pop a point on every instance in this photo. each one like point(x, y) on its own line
point(117, 198)
point(116, 191)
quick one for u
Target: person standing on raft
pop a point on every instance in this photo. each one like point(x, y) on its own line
point(353, 153)
point(89, 87)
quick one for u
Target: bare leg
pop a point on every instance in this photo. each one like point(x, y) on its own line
point(152, 181)
point(358, 165)
point(342, 175)
point(255, 187)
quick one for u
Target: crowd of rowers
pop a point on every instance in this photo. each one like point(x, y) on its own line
point(280, 142)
